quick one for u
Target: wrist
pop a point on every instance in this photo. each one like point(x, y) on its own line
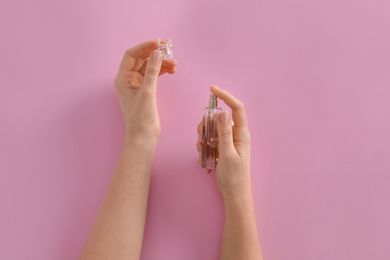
point(141, 141)
point(242, 205)
point(149, 136)
point(242, 197)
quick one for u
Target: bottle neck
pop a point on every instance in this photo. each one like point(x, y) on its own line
point(213, 103)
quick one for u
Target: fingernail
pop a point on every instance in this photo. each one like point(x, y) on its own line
point(224, 117)
point(157, 55)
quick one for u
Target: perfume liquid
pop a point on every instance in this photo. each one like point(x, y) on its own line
point(209, 136)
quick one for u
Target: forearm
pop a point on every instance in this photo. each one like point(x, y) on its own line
point(118, 229)
point(240, 238)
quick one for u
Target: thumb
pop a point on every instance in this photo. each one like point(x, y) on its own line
point(152, 70)
point(225, 132)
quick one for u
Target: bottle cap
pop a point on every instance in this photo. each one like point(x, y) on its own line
point(166, 50)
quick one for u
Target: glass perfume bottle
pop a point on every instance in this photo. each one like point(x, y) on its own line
point(166, 49)
point(209, 136)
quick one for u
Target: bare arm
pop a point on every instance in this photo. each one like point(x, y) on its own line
point(240, 239)
point(119, 227)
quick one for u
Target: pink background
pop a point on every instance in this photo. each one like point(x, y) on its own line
point(315, 78)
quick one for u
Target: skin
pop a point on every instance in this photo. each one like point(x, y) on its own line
point(240, 238)
point(118, 230)
point(119, 227)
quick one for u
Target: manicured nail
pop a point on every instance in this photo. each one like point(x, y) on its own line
point(224, 117)
point(157, 55)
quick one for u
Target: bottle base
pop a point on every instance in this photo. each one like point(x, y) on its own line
point(210, 165)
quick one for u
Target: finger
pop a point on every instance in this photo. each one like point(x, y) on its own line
point(167, 70)
point(200, 126)
point(152, 71)
point(165, 41)
point(165, 64)
point(169, 63)
point(198, 146)
point(140, 51)
point(225, 133)
point(238, 110)
point(199, 142)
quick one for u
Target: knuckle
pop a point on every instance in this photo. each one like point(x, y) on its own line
point(241, 105)
point(127, 52)
point(227, 154)
point(153, 70)
point(246, 137)
point(225, 131)
point(148, 93)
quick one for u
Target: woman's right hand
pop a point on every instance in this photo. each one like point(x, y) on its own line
point(233, 167)
point(136, 84)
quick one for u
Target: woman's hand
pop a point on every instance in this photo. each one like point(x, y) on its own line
point(136, 83)
point(233, 168)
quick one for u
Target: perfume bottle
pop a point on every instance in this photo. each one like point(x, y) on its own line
point(209, 136)
point(166, 49)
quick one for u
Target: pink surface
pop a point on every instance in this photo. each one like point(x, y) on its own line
point(315, 78)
